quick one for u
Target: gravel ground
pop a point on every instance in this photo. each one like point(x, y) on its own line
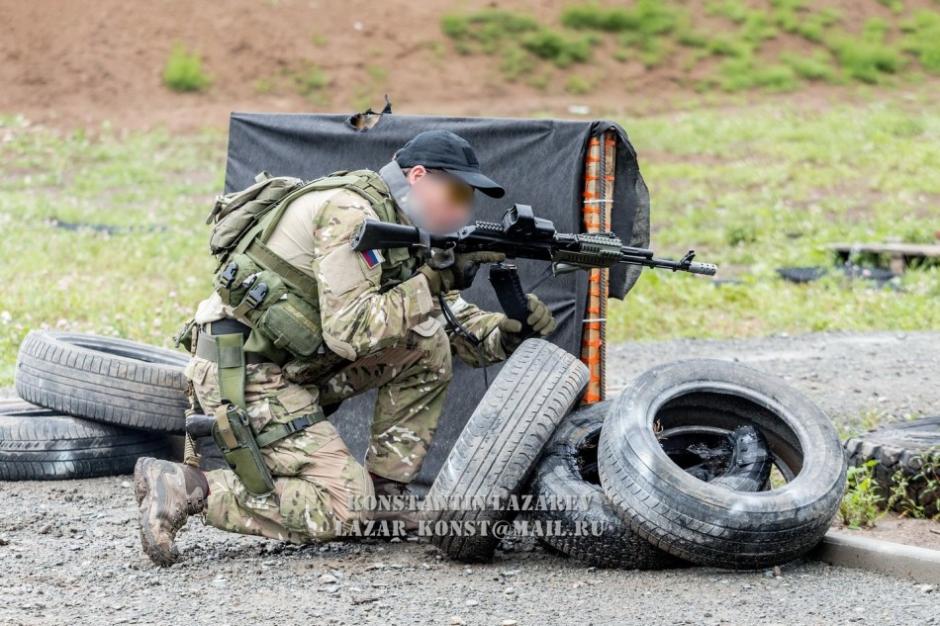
point(70, 552)
point(858, 379)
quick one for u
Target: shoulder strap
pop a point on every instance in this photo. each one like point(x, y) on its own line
point(366, 183)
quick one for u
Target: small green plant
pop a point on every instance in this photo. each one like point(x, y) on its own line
point(310, 83)
point(861, 504)
point(730, 47)
point(558, 48)
point(487, 29)
point(648, 17)
point(622, 54)
point(692, 38)
point(578, 85)
point(743, 232)
point(748, 73)
point(540, 81)
point(758, 28)
point(734, 10)
point(514, 36)
point(815, 67)
point(918, 496)
point(896, 6)
point(516, 62)
point(867, 58)
point(264, 85)
point(183, 71)
point(922, 38)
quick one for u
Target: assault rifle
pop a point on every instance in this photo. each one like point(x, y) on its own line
point(522, 235)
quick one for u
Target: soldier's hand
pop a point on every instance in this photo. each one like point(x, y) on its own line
point(540, 317)
point(540, 320)
point(446, 271)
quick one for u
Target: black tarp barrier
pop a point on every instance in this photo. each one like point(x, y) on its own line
point(539, 162)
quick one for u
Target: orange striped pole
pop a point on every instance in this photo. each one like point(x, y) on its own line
point(599, 168)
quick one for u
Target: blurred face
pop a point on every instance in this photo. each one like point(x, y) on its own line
point(446, 202)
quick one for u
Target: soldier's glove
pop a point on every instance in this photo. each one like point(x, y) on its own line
point(540, 320)
point(447, 271)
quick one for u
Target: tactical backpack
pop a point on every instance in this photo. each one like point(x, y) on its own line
point(278, 300)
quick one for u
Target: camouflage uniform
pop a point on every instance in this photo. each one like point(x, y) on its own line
point(391, 339)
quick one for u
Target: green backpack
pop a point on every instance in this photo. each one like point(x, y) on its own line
point(233, 214)
point(279, 301)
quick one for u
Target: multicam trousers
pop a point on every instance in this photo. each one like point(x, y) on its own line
point(318, 482)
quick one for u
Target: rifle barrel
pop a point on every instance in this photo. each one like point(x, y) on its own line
point(706, 269)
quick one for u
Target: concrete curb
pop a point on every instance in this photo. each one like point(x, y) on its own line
point(884, 557)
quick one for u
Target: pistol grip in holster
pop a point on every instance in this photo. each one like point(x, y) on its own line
point(505, 280)
point(233, 434)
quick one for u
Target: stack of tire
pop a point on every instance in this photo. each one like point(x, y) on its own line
point(907, 463)
point(89, 406)
point(675, 470)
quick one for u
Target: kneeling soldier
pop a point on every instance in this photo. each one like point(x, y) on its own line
point(299, 322)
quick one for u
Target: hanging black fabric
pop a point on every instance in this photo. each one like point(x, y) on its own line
point(539, 162)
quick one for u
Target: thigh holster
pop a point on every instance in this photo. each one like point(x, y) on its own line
point(232, 430)
point(233, 434)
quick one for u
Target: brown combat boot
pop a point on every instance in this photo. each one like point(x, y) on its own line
point(396, 496)
point(167, 493)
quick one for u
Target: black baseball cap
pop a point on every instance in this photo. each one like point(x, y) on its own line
point(444, 150)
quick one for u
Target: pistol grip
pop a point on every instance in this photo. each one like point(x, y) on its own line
point(505, 280)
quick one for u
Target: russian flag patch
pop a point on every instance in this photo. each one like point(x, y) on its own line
point(372, 258)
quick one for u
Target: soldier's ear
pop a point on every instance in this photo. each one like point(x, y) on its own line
point(415, 173)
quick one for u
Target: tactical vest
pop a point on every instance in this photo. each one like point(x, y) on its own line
point(278, 300)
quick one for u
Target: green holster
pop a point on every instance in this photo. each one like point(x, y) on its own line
point(232, 431)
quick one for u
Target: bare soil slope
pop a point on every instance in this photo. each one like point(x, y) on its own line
point(75, 63)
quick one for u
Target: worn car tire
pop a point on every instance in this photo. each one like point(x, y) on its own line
point(591, 530)
point(499, 446)
point(709, 524)
point(39, 444)
point(108, 380)
point(558, 479)
point(911, 448)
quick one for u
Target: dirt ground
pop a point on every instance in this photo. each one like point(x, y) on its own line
point(70, 550)
point(74, 64)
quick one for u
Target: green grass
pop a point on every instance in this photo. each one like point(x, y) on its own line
point(815, 42)
point(519, 39)
point(141, 282)
point(310, 81)
point(560, 49)
point(487, 29)
point(648, 18)
point(183, 71)
point(748, 73)
point(769, 186)
point(922, 38)
point(867, 58)
point(817, 67)
point(579, 85)
point(751, 189)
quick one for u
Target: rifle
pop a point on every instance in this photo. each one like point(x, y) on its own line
point(522, 235)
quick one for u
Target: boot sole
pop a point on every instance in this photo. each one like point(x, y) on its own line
point(148, 542)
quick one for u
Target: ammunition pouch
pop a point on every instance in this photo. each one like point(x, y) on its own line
point(274, 308)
